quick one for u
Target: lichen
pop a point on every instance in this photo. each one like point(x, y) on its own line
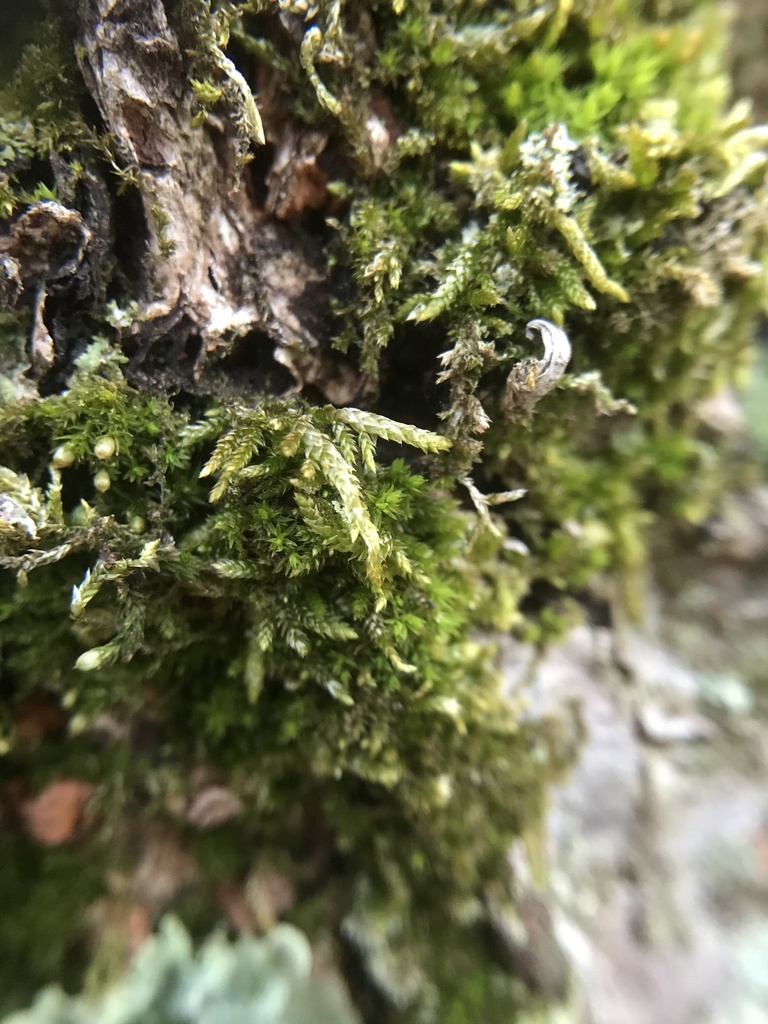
point(267, 979)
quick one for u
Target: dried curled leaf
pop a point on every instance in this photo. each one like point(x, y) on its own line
point(531, 379)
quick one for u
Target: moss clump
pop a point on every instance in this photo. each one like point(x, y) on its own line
point(297, 593)
point(310, 585)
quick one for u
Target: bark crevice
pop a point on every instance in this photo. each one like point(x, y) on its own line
point(218, 265)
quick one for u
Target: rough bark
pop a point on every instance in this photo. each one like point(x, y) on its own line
point(219, 265)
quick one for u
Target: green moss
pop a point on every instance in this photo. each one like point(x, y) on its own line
point(311, 585)
point(41, 113)
point(45, 898)
point(601, 193)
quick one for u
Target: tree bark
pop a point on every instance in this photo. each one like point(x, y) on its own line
point(221, 274)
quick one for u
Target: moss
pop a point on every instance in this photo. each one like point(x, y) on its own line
point(41, 113)
point(319, 585)
point(312, 585)
point(299, 594)
point(45, 898)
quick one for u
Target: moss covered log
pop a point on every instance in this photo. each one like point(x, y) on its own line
point(268, 484)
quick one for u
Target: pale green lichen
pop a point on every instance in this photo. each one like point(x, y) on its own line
point(264, 980)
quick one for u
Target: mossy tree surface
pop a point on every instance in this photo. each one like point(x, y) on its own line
point(254, 355)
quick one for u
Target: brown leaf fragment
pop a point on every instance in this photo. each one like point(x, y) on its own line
point(55, 814)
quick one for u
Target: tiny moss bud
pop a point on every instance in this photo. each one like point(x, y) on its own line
point(443, 790)
point(448, 706)
point(137, 524)
point(79, 723)
point(102, 481)
point(63, 457)
point(89, 661)
point(104, 448)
